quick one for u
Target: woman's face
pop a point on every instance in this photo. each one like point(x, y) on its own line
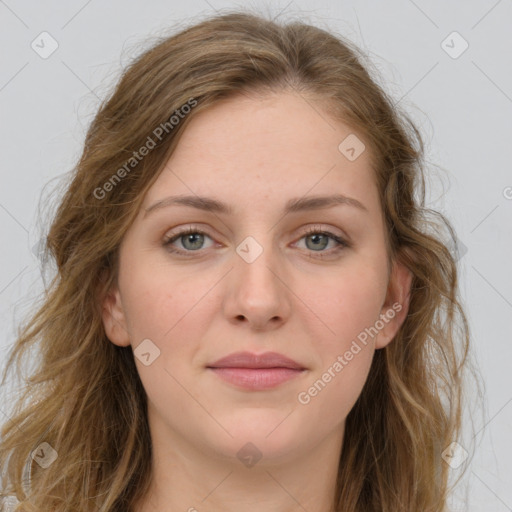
point(264, 273)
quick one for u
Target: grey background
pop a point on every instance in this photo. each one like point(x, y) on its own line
point(463, 106)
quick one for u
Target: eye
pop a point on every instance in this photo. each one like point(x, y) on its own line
point(317, 239)
point(191, 239)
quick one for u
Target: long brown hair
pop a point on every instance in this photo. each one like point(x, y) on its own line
point(85, 401)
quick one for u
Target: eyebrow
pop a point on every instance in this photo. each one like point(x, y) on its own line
point(293, 205)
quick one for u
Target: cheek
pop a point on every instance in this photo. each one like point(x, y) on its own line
point(160, 301)
point(344, 352)
point(332, 394)
point(170, 311)
point(346, 305)
point(174, 311)
point(349, 306)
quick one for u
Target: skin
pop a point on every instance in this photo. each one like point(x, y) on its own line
point(254, 153)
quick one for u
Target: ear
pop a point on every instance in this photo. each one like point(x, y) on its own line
point(396, 304)
point(114, 319)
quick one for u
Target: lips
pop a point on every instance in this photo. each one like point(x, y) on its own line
point(256, 372)
point(249, 360)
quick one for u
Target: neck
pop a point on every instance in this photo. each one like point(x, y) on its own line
point(191, 479)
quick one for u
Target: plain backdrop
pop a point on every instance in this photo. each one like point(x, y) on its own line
point(448, 65)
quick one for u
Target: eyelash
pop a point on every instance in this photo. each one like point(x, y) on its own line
point(342, 244)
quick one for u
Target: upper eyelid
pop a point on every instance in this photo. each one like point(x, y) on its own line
point(316, 228)
point(309, 229)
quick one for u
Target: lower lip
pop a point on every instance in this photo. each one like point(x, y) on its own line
point(256, 378)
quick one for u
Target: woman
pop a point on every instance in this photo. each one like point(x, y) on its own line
point(251, 308)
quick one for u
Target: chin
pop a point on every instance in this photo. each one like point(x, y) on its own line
point(260, 434)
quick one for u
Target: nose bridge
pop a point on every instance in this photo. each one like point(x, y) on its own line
point(256, 257)
point(257, 293)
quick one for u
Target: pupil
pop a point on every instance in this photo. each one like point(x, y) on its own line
point(192, 236)
point(316, 238)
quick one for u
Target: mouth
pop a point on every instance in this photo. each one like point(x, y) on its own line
point(256, 372)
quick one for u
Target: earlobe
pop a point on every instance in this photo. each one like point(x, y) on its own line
point(396, 305)
point(114, 320)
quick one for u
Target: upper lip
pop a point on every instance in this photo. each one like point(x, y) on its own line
point(249, 360)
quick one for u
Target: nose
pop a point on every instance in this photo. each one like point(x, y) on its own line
point(257, 292)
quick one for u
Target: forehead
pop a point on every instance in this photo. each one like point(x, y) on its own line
point(248, 149)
